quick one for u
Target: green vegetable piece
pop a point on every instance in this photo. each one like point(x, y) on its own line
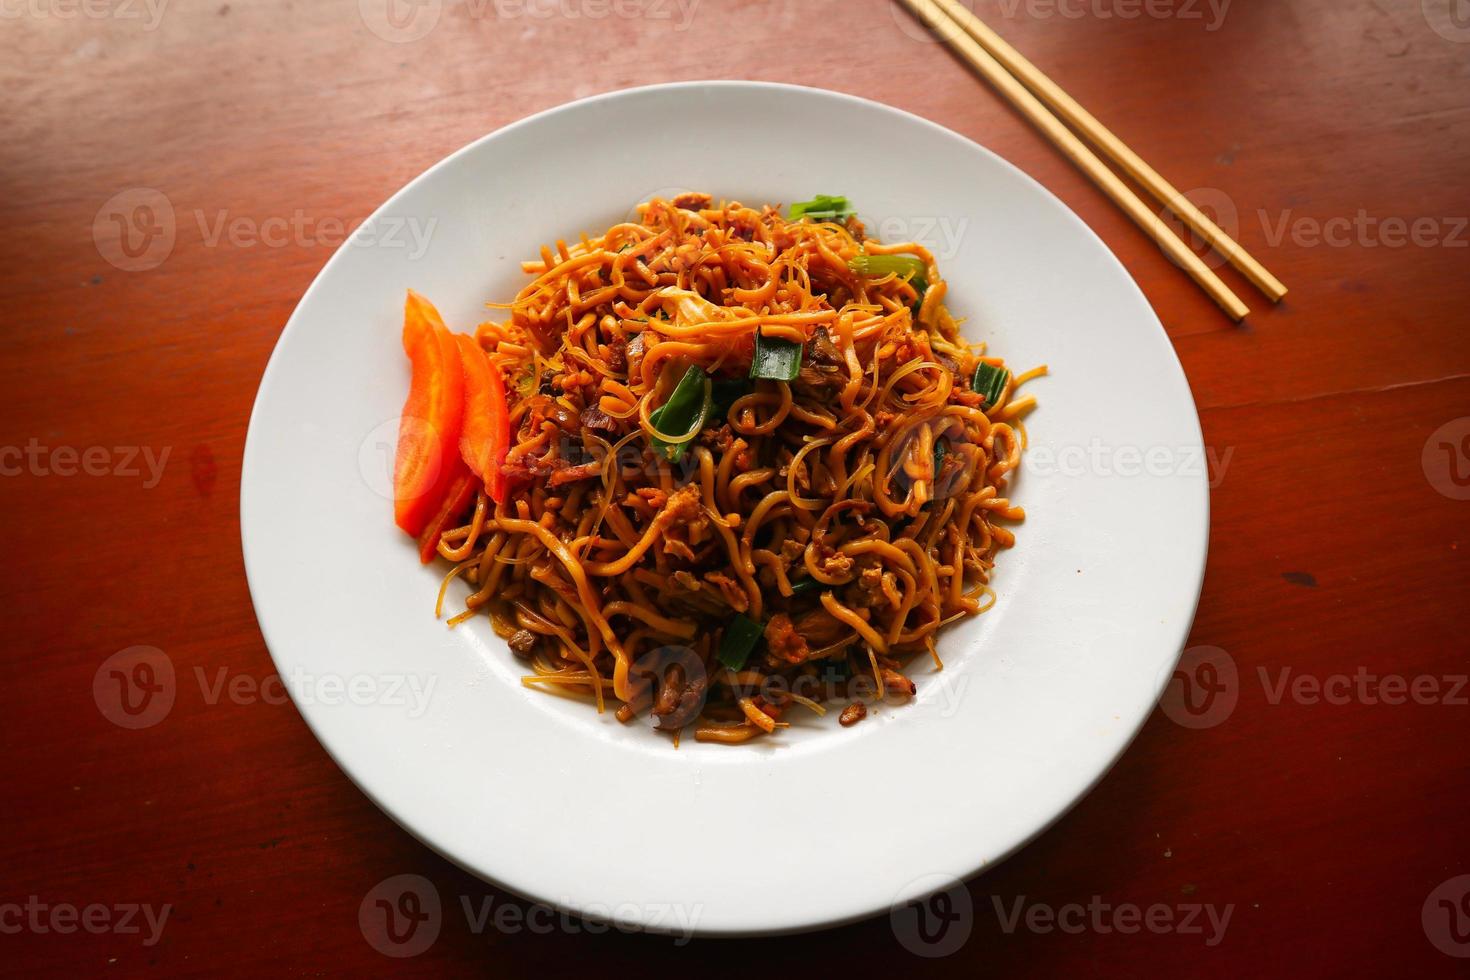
point(684, 413)
point(775, 359)
point(990, 382)
point(903, 266)
point(822, 208)
point(740, 639)
point(807, 586)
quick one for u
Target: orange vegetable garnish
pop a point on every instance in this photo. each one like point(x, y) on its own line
point(457, 497)
point(485, 435)
point(428, 433)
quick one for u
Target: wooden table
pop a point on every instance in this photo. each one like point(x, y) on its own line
point(1319, 812)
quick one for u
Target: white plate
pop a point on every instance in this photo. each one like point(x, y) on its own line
point(823, 824)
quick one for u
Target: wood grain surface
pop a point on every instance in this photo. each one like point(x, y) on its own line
point(1332, 135)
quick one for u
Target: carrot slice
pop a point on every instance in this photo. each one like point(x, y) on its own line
point(457, 498)
point(485, 434)
point(420, 319)
point(428, 432)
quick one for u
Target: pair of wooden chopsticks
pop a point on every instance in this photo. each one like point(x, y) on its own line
point(1027, 89)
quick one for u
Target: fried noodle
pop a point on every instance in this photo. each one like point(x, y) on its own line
point(852, 512)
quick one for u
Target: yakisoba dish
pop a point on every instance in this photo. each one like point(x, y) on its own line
point(715, 465)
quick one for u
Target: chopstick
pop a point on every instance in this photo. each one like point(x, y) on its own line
point(1115, 149)
point(1075, 150)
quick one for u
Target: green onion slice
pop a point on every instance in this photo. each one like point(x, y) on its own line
point(680, 418)
point(807, 585)
point(739, 641)
point(903, 266)
point(990, 382)
point(775, 359)
point(823, 207)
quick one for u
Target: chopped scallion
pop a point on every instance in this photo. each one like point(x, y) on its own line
point(775, 359)
point(822, 208)
point(683, 415)
point(990, 382)
point(739, 641)
point(903, 266)
point(807, 586)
